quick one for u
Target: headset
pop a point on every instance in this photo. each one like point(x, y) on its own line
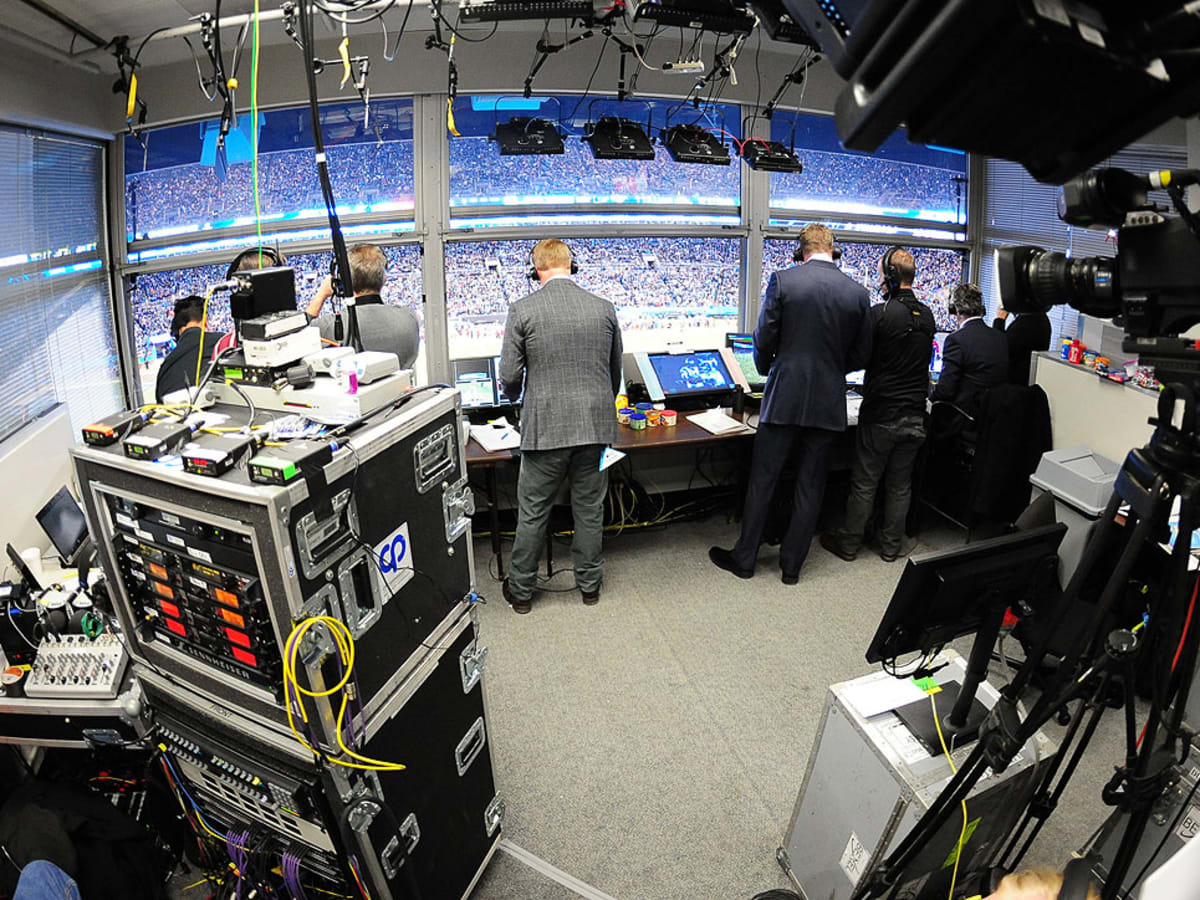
point(531, 272)
point(184, 308)
point(275, 257)
point(798, 254)
point(891, 278)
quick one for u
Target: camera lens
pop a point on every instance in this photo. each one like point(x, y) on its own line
point(1033, 280)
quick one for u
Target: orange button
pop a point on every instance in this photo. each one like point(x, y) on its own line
point(237, 637)
point(159, 572)
point(163, 590)
point(244, 657)
point(232, 618)
point(176, 627)
point(227, 598)
point(169, 608)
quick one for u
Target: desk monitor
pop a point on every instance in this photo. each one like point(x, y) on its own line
point(856, 378)
point(475, 381)
point(502, 399)
point(64, 524)
point(702, 372)
point(945, 595)
point(739, 357)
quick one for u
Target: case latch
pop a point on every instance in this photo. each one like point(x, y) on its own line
point(470, 665)
point(395, 853)
point(493, 816)
point(458, 505)
point(470, 746)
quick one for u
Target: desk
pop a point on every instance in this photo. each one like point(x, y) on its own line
point(685, 434)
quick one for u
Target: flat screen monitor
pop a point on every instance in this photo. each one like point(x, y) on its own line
point(65, 525)
point(856, 378)
point(502, 399)
point(702, 372)
point(935, 361)
point(475, 381)
point(733, 338)
point(945, 595)
point(743, 354)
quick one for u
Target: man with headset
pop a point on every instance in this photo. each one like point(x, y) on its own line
point(192, 344)
point(891, 420)
point(562, 344)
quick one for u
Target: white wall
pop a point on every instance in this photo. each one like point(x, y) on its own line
point(34, 464)
point(1086, 409)
point(42, 93)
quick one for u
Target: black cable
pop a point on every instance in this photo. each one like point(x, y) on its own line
point(138, 53)
point(245, 397)
point(436, 6)
point(403, 25)
point(1129, 891)
point(587, 88)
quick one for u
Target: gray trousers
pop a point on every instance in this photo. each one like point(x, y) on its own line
point(883, 451)
point(542, 473)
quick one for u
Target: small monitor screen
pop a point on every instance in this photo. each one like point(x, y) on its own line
point(64, 524)
point(473, 378)
point(856, 378)
point(743, 352)
point(733, 338)
point(691, 373)
point(502, 399)
point(935, 361)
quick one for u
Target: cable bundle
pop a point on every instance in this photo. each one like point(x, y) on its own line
point(290, 869)
point(235, 846)
point(293, 694)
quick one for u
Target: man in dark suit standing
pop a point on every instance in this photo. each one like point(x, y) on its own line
point(974, 358)
point(1026, 335)
point(563, 345)
point(193, 347)
point(814, 327)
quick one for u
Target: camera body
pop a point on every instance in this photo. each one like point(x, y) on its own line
point(1151, 287)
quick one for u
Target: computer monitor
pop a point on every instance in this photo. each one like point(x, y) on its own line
point(502, 399)
point(741, 347)
point(945, 595)
point(935, 361)
point(702, 372)
point(475, 382)
point(65, 525)
point(856, 378)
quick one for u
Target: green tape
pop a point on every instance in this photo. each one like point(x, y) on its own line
point(928, 685)
point(959, 845)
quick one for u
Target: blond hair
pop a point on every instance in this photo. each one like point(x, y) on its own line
point(1035, 884)
point(815, 238)
point(368, 268)
point(551, 254)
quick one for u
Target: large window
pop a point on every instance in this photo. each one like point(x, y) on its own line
point(154, 293)
point(899, 179)
point(480, 177)
point(938, 271)
point(665, 290)
point(178, 183)
point(57, 340)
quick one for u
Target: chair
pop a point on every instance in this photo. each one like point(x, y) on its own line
point(976, 468)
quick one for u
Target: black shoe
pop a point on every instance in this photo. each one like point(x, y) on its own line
point(790, 578)
point(830, 543)
point(518, 606)
point(723, 559)
point(590, 598)
point(905, 549)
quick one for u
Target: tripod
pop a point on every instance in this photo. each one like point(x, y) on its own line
point(1149, 482)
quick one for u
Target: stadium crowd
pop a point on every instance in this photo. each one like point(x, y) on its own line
point(846, 178)
point(938, 271)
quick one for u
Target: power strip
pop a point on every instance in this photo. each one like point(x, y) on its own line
point(73, 666)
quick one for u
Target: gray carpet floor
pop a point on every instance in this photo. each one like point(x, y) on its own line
point(652, 746)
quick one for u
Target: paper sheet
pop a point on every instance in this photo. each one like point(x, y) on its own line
point(717, 422)
point(884, 695)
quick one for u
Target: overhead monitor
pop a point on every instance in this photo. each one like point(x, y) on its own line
point(65, 525)
point(475, 382)
point(702, 372)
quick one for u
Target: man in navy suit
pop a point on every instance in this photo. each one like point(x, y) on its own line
point(814, 327)
point(974, 358)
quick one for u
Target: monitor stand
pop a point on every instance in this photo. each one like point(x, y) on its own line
point(918, 718)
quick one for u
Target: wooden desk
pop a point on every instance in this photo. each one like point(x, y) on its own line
point(684, 434)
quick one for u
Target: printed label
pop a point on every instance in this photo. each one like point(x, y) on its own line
point(203, 585)
point(200, 554)
point(1189, 827)
point(123, 519)
point(144, 535)
point(854, 859)
point(170, 519)
point(393, 556)
point(176, 540)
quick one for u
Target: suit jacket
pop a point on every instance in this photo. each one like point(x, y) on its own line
point(178, 370)
point(974, 359)
point(1027, 334)
point(1014, 432)
point(814, 327)
point(564, 345)
point(391, 329)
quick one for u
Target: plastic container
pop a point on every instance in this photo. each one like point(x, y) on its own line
point(1065, 352)
point(653, 417)
point(637, 421)
point(1081, 481)
point(668, 418)
point(623, 415)
point(644, 407)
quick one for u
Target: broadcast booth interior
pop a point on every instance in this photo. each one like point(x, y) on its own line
point(678, 273)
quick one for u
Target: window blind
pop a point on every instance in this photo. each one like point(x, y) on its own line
point(57, 337)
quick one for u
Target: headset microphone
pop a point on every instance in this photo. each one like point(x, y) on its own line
point(891, 277)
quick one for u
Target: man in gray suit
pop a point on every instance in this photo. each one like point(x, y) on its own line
point(393, 329)
point(564, 345)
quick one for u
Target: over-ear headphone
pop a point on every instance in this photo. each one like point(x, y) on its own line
point(270, 257)
point(891, 277)
point(531, 272)
point(798, 254)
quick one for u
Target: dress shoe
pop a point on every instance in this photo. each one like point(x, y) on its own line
point(590, 598)
point(518, 606)
point(906, 548)
point(830, 543)
point(790, 578)
point(723, 559)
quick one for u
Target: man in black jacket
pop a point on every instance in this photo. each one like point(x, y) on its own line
point(891, 420)
point(178, 370)
point(974, 358)
point(814, 327)
point(1027, 334)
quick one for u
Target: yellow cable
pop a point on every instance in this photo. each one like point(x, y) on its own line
point(962, 835)
point(203, 331)
point(254, 132)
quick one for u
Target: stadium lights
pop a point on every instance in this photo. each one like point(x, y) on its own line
point(526, 136)
point(616, 138)
point(693, 144)
point(770, 156)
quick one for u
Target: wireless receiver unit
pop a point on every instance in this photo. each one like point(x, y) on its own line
point(215, 454)
point(156, 440)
